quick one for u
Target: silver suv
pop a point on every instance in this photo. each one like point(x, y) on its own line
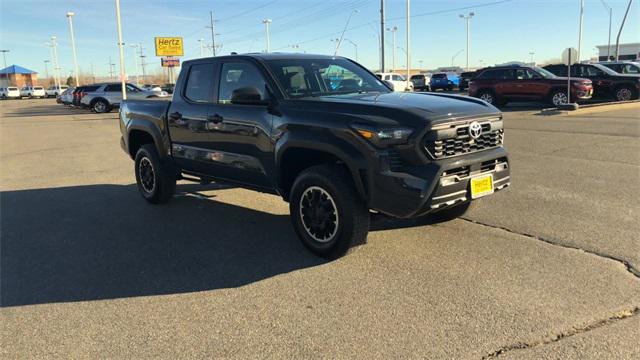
point(109, 95)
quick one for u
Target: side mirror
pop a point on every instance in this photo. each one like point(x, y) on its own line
point(249, 95)
point(389, 84)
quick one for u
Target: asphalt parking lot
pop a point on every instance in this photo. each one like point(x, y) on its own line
point(549, 268)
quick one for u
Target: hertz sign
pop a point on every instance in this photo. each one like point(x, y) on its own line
point(169, 46)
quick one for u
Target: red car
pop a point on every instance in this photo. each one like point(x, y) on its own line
point(501, 84)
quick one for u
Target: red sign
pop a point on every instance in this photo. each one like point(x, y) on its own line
point(170, 61)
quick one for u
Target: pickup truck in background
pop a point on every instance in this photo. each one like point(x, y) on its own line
point(322, 132)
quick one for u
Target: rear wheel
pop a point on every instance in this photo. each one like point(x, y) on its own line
point(156, 181)
point(326, 211)
point(625, 93)
point(101, 106)
point(488, 96)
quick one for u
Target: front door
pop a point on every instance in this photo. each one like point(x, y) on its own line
point(188, 118)
point(241, 133)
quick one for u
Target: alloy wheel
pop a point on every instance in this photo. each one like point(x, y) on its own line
point(319, 214)
point(623, 94)
point(559, 98)
point(487, 97)
point(147, 175)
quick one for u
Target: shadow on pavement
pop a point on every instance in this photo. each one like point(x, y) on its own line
point(104, 242)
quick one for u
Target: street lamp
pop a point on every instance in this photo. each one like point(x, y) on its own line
point(135, 62)
point(355, 46)
point(468, 19)
point(343, 31)
point(56, 67)
point(4, 56)
point(121, 50)
point(46, 69)
point(455, 56)
point(266, 23)
point(73, 47)
point(393, 52)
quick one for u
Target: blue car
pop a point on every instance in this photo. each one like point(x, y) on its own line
point(444, 81)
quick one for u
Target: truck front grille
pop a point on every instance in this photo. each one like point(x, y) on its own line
point(455, 140)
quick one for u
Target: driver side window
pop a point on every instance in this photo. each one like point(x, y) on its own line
point(235, 76)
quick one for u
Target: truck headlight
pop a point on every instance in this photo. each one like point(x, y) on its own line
point(384, 137)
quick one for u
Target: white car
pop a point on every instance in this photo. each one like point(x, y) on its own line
point(33, 91)
point(66, 97)
point(398, 81)
point(55, 91)
point(152, 87)
point(10, 92)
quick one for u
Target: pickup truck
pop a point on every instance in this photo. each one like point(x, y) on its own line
point(322, 132)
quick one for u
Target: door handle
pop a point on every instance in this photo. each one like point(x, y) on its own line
point(216, 119)
point(175, 116)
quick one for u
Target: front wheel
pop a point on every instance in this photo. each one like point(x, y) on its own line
point(558, 97)
point(156, 181)
point(326, 211)
point(487, 96)
point(101, 106)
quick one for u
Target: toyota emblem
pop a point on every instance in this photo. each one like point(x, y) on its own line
point(475, 129)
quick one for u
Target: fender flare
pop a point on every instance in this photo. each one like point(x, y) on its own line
point(151, 129)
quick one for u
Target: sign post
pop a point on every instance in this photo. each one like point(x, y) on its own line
point(569, 57)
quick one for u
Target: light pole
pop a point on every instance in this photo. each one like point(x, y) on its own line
point(201, 41)
point(4, 57)
point(354, 45)
point(532, 53)
point(408, 43)
point(266, 23)
point(610, 10)
point(135, 62)
point(121, 50)
point(455, 56)
point(213, 34)
point(393, 43)
point(468, 19)
point(73, 48)
point(56, 67)
point(46, 69)
point(580, 30)
point(50, 46)
point(343, 31)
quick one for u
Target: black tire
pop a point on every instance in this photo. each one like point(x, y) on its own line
point(556, 94)
point(158, 186)
point(451, 213)
point(488, 96)
point(100, 106)
point(625, 93)
point(324, 204)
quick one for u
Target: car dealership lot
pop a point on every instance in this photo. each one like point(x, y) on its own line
point(549, 266)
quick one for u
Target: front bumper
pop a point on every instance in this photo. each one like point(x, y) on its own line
point(419, 190)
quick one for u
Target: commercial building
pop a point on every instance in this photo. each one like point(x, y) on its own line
point(629, 51)
point(15, 75)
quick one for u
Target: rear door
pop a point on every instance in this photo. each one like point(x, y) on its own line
point(603, 83)
point(188, 118)
point(529, 84)
point(241, 133)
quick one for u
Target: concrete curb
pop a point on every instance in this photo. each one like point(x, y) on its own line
point(593, 108)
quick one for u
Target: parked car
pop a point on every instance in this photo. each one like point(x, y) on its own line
point(79, 93)
point(396, 81)
point(421, 82)
point(606, 82)
point(66, 98)
point(465, 77)
point(152, 87)
point(107, 96)
point(623, 67)
point(444, 81)
point(501, 84)
point(168, 88)
point(10, 92)
point(334, 148)
point(33, 92)
point(55, 91)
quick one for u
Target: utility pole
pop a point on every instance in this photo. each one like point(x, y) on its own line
point(532, 53)
point(468, 19)
point(121, 50)
point(580, 31)
point(393, 43)
point(266, 23)
point(355, 46)
point(73, 47)
point(610, 11)
point(142, 63)
point(111, 71)
point(213, 33)
point(408, 45)
point(382, 36)
point(56, 66)
point(4, 57)
point(620, 31)
point(135, 62)
point(46, 70)
point(50, 46)
point(201, 41)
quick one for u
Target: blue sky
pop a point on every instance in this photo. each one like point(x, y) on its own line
point(500, 31)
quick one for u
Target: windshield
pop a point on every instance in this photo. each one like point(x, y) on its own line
point(323, 77)
point(545, 73)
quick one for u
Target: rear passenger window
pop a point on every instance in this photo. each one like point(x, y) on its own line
point(497, 74)
point(200, 83)
point(113, 88)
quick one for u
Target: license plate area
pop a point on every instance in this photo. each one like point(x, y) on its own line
point(481, 186)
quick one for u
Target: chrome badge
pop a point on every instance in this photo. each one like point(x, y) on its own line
point(475, 129)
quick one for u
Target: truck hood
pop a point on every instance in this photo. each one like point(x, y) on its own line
point(435, 107)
